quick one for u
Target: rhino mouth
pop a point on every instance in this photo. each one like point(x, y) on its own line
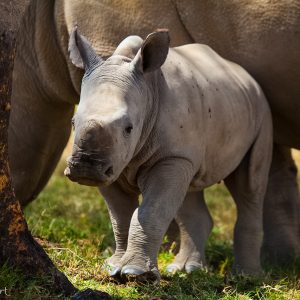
point(88, 176)
point(89, 172)
point(81, 177)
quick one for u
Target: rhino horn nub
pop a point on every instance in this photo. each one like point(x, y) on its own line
point(129, 46)
point(81, 51)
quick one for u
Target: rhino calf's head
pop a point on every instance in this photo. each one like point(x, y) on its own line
point(114, 105)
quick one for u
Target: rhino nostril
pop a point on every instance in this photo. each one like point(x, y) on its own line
point(109, 171)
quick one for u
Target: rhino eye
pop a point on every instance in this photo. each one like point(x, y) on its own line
point(128, 129)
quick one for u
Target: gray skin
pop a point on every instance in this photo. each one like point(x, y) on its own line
point(263, 37)
point(168, 133)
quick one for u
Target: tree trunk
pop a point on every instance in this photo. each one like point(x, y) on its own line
point(17, 246)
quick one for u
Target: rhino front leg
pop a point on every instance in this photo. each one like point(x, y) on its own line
point(195, 224)
point(281, 209)
point(163, 188)
point(121, 206)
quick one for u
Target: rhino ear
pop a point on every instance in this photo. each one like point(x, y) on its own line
point(153, 52)
point(81, 52)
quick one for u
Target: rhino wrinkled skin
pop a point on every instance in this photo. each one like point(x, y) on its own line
point(168, 133)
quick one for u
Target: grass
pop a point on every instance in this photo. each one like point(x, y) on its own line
point(72, 224)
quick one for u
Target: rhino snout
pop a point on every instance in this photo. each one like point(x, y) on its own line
point(89, 171)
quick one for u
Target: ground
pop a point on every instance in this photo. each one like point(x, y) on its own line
point(72, 224)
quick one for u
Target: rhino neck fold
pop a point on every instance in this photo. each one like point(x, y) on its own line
point(152, 107)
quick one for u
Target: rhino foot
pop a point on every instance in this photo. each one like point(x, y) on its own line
point(136, 273)
point(112, 267)
point(188, 267)
point(173, 268)
point(122, 272)
point(115, 271)
point(187, 262)
point(193, 266)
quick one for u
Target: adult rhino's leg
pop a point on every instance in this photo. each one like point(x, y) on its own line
point(38, 132)
point(248, 184)
point(43, 99)
point(281, 209)
point(195, 224)
point(121, 206)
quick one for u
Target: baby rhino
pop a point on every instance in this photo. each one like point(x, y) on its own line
point(167, 123)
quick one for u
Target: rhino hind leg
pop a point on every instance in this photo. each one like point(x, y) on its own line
point(281, 209)
point(195, 224)
point(248, 184)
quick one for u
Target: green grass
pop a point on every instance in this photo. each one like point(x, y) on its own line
point(72, 224)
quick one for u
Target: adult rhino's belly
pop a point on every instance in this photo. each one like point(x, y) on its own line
point(283, 94)
point(286, 118)
point(281, 85)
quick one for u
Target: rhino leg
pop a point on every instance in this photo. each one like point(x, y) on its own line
point(38, 133)
point(195, 224)
point(121, 206)
point(248, 184)
point(163, 188)
point(281, 209)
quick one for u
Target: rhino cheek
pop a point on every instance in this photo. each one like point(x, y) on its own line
point(121, 162)
point(121, 158)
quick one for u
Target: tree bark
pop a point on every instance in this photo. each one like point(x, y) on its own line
point(17, 246)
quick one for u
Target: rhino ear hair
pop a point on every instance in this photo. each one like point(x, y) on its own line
point(81, 51)
point(153, 52)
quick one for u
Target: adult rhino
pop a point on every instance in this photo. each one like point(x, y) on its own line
point(263, 37)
